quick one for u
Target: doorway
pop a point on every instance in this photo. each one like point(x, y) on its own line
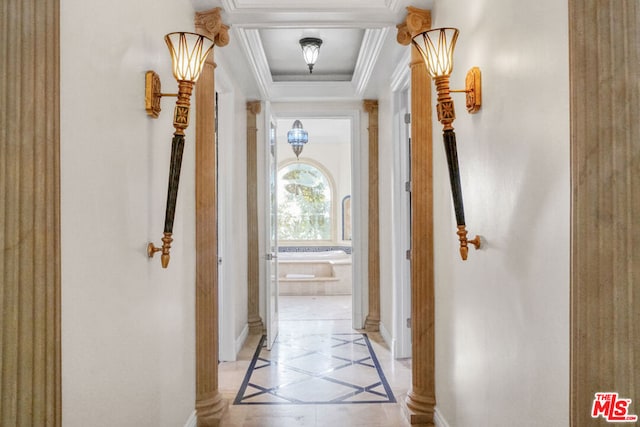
point(314, 221)
point(323, 120)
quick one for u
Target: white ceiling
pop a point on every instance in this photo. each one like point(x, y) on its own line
point(321, 130)
point(339, 53)
point(358, 55)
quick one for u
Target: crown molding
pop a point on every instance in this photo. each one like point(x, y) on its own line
point(312, 91)
point(252, 44)
point(401, 74)
point(377, 18)
point(368, 57)
point(317, 5)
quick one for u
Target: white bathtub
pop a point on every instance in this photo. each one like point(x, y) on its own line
point(314, 273)
point(307, 256)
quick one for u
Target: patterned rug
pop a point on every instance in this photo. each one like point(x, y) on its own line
point(315, 369)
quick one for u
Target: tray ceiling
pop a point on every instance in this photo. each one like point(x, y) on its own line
point(358, 44)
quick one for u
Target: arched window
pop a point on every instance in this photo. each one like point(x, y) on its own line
point(304, 203)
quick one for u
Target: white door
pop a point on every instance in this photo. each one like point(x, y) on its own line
point(404, 349)
point(271, 231)
point(402, 232)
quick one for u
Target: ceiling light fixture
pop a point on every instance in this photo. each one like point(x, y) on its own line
point(436, 48)
point(310, 49)
point(297, 137)
point(189, 52)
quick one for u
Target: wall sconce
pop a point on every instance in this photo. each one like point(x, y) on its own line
point(310, 49)
point(436, 48)
point(297, 137)
point(188, 54)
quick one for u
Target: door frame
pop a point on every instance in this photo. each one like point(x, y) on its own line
point(269, 258)
point(359, 177)
point(400, 343)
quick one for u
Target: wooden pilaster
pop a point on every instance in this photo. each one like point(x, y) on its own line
point(421, 399)
point(372, 323)
point(605, 204)
point(210, 405)
point(256, 326)
point(30, 357)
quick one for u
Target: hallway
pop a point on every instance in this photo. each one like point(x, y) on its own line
point(319, 329)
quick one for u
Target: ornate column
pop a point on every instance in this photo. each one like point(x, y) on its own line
point(210, 405)
point(372, 323)
point(30, 389)
point(421, 399)
point(605, 204)
point(255, 322)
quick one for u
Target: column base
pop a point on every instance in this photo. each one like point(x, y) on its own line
point(210, 411)
point(372, 324)
point(256, 327)
point(419, 410)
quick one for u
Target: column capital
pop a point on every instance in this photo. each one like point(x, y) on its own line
point(254, 107)
point(416, 22)
point(209, 23)
point(370, 105)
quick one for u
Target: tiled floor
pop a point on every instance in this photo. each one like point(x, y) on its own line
point(320, 328)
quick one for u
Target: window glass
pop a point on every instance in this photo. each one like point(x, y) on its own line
point(304, 203)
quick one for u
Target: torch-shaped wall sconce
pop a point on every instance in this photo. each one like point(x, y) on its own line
point(436, 47)
point(188, 54)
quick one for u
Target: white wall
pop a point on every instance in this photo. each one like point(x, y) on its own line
point(232, 210)
point(127, 324)
point(502, 317)
point(386, 190)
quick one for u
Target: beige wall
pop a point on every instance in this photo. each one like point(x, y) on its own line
point(502, 317)
point(127, 324)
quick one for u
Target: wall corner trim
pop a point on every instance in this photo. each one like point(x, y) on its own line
point(192, 421)
point(438, 419)
point(242, 338)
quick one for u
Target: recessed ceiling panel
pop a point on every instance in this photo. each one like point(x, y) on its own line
point(336, 60)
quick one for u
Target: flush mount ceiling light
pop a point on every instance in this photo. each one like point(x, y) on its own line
point(310, 49)
point(297, 137)
point(436, 48)
point(189, 52)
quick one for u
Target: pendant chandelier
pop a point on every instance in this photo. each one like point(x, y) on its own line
point(310, 49)
point(297, 137)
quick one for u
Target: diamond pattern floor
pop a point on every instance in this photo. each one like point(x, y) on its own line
point(315, 369)
point(314, 323)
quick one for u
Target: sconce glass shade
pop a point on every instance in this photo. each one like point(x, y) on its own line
point(310, 49)
point(297, 137)
point(188, 53)
point(436, 48)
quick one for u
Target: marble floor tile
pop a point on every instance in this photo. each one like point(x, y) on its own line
point(352, 379)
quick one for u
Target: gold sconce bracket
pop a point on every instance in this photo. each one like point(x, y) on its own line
point(153, 93)
point(152, 249)
point(473, 90)
point(166, 247)
point(464, 242)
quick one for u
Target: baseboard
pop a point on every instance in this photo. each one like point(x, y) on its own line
point(438, 419)
point(192, 421)
point(242, 338)
point(386, 336)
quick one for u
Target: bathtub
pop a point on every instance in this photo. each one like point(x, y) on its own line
point(314, 273)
